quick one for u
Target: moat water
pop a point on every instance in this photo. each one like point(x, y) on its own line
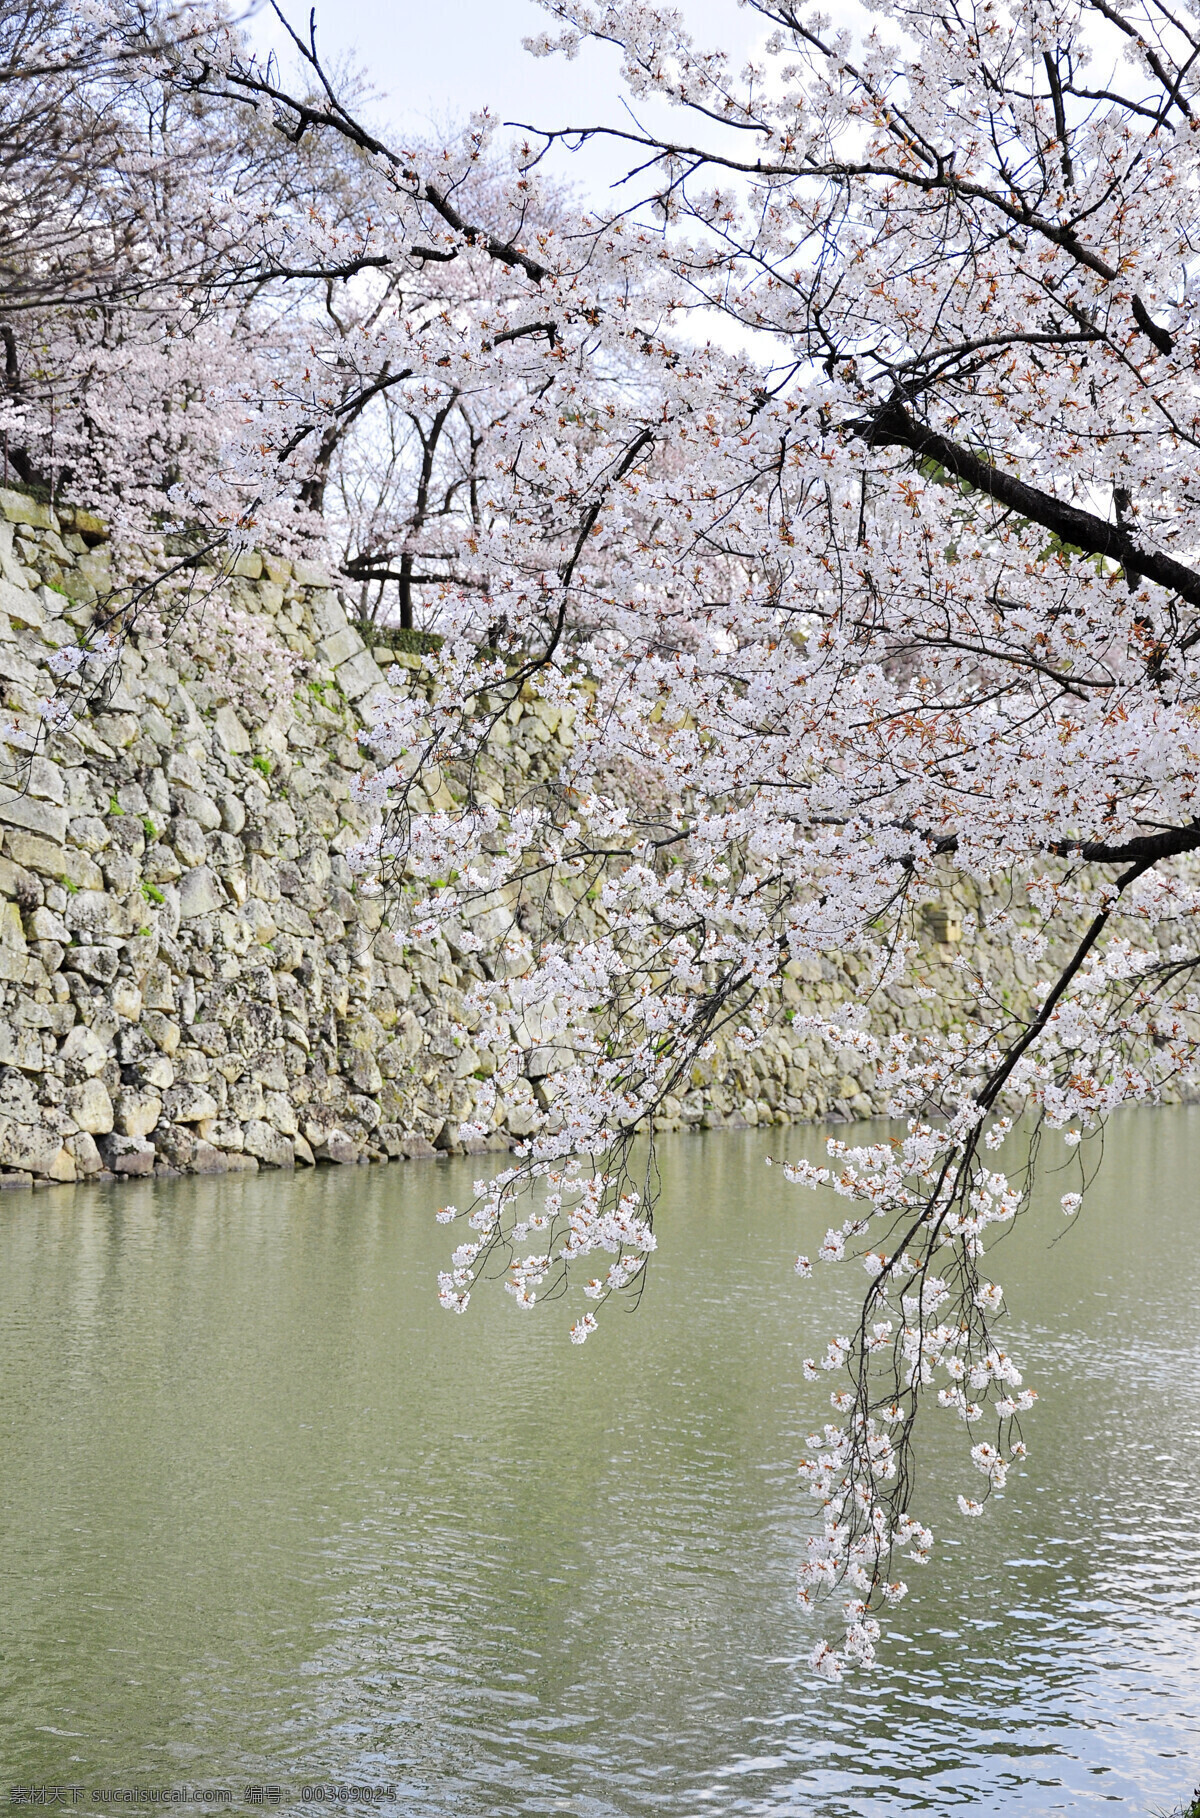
point(269, 1518)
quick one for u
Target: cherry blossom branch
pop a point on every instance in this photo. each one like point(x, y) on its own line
point(892, 426)
point(249, 80)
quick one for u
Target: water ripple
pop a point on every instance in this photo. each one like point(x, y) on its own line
point(270, 1516)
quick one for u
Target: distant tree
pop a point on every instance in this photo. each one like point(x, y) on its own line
point(216, 333)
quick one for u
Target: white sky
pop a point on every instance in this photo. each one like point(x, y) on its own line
point(435, 61)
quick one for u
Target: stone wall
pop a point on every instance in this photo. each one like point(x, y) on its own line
point(188, 979)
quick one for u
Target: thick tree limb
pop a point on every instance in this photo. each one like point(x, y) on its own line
point(1148, 849)
point(264, 273)
point(1144, 849)
point(549, 329)
point(892, 426)
point(1151, 329)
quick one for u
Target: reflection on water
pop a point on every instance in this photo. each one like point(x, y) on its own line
point(270, 1515)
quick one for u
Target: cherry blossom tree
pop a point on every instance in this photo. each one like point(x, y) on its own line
point(117, 229)
point(191, 305)
point(904, 590)
point(840, 486)
point(217, 331)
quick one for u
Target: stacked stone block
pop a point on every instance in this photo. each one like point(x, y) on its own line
point(189, 978)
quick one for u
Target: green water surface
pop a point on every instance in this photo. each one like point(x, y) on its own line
point(268, 1516)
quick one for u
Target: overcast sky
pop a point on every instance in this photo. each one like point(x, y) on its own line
point(437, 60)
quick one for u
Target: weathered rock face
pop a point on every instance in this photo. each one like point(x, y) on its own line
point(188, 978)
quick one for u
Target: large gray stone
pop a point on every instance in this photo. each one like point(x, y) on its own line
point(175, 1146)
point(127, 1154)
point(125, 701)
point(45, 780)
point(44, 925)
point(191, 847)
point(223, 1133)
point(230, 731)
point(200, 893)
point(266, 1144)
point(207, 1160)
point(12, 934)
point(36, 1150)
point(246, 1100)
point(84, 1052)
point(184, 769)
point(187, 1104)
point(326, 608)
point(37, 817)
point(259, 921)
point(89, 831)
point(15, 668)
point(357, 676)
point(162, 1030)
point(119, 730)
point(20, 605)
point(21, 1048)
point(10, 570)
point(281, 1113)
point(158, 992)
point(209, 1038)
point(330, 1143)
point(343, 644)
point(136, 1111)
point(183, 709)
point(90, 1107)
point(87, 1157)
point(93, 912)
point(363, 1071)
point(198, 807)
point(97, 963)
point(19, 508)
point(43, 856)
